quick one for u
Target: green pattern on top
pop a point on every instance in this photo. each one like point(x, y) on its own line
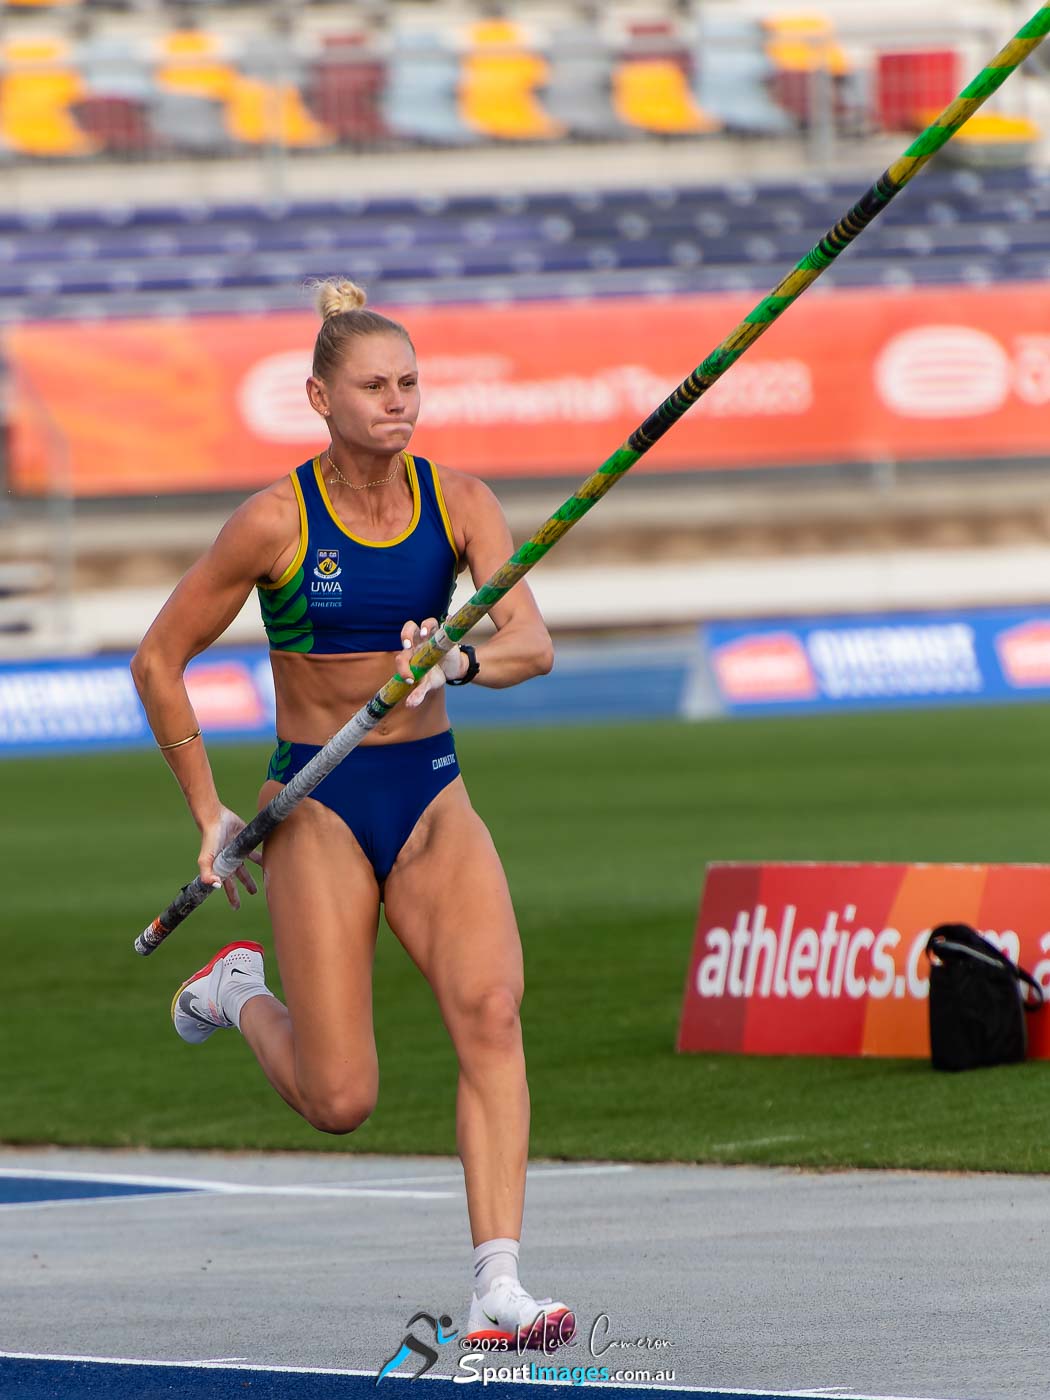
point(277, 597)
point(279, 761)
point(284, 615)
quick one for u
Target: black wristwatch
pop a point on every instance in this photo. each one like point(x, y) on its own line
point(473, 665)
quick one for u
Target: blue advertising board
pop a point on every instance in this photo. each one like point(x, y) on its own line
point(780, 666)
point(880, 661)
point(58, 706)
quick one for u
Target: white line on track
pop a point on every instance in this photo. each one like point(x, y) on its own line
point(335, 1191)
point(819, 1394)
point(369, 1188)
point(534, 1173)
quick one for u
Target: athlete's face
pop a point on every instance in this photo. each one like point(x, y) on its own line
point(373, 397)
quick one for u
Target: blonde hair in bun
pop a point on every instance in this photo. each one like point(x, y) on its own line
point(341, 305)
point(334, 296)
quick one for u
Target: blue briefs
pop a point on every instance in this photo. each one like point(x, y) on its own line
point(379, 790)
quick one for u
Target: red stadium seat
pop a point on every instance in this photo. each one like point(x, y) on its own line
point(909, 82)
point(346, 95)
point(117, 124)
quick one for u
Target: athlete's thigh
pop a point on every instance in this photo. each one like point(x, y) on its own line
point(448, 903)
point(324, 906)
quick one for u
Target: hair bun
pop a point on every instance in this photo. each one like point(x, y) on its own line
point(337, 295)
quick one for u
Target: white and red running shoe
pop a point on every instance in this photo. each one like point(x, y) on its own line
point(510, 1315)
point(196, 1008)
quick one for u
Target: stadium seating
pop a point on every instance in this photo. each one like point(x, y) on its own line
point(653, 95)
point(206, 86)
point(40, 86)
point(910, 80)
point(346, 92)
point(578, 94)
point(734, 75)
point(988, 136)
point(500, 84)
point(651, 85)
point(953, 226)
point(116, 125)
point(254, 112)
point(805, 49)
point(420, 103)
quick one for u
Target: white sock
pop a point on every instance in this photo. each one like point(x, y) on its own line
point(491, 1259)
point(236, 994)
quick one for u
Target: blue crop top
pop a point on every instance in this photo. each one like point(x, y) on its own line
point(344, 594)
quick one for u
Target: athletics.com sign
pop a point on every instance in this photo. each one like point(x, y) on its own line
point(829, 959)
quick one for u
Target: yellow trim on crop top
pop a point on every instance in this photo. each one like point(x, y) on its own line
point(300, 553)
point(439, 496)
point(413, 481)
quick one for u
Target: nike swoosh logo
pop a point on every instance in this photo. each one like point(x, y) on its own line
point(490, 1318)
point(186, 1007)
point(239, 972)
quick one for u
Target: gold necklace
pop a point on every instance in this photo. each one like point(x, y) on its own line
point(365, 486)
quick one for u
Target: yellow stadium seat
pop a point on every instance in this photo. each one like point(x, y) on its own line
point(654, 95)
point(498, 83)
point(192, 64)
point(496, 34)
point(258, 113)
point(804, 43)
point(255, 112)
point(989, 128)
point(37, 90)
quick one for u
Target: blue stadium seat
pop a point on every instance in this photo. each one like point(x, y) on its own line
point(578, 93)
point(734, 74)
point(189, 123)
point(420, 102)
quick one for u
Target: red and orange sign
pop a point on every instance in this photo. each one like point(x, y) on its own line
point(217, 402)
point(800, 959)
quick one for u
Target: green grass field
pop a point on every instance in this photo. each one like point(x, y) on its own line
point(605, 833)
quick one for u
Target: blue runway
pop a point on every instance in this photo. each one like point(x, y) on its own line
point(37, 1378)
point(42, 1189)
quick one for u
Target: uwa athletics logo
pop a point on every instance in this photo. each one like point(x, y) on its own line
point(327, 565)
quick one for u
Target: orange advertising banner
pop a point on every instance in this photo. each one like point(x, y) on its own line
point(799, 959)
point(217, 402)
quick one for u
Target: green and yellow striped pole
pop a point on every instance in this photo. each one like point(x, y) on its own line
point(770, 309)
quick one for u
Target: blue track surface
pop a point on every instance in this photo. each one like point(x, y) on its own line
point(22, 1190)
point(25, 1379)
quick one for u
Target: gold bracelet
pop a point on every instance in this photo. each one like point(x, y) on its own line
point(179, 742)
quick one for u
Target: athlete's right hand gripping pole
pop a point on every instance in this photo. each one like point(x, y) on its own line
point(802, 275)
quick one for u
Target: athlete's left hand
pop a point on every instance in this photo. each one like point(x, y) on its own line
point(452, 664)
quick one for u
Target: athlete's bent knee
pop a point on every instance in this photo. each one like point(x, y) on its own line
point(490, 1021)
point(338, 1111)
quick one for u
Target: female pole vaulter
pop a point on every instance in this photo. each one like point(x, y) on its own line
point(355, 555)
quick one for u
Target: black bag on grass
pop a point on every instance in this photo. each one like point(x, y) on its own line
point(977, 1001)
